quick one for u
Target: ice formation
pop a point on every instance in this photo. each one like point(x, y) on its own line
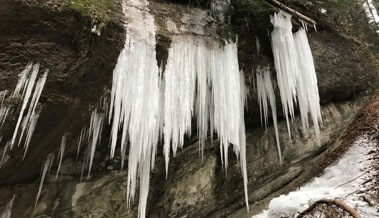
point(95, 128)
point(4, 157)
point(80, 139)
point(371, 11)
point(204, 80)
point(45, 169)
point(62, 148)
point(287, 71)
point(295, 72)
point(200, 80)
point(135, 99)
point(3, 109)
point(266, 93)
point(308, 97)
point(27, 80)
point(7, 211)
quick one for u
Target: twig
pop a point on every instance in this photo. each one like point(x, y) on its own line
point(351, 180)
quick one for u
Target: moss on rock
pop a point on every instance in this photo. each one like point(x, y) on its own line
point(100, 11)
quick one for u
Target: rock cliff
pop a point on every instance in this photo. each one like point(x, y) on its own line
point(80, 60)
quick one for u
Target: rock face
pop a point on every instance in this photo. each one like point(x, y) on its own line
point(81, 65)
point(78, 61)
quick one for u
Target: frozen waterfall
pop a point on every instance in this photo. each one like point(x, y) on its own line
point(295, 72)
point(201, 80)
point(204, 80)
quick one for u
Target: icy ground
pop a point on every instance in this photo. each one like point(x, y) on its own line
point(346, 180)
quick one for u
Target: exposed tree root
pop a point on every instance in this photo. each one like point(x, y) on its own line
point(338, 203)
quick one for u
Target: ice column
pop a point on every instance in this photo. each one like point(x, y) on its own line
point(285, 60)
point(135, 98)
point(308, 97)
point(204, 79)
point(295, 72)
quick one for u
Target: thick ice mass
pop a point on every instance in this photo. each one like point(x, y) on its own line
point(204, 80)
point(295, 72)
point(285, 60)
point(135, 99)
point(200, 80)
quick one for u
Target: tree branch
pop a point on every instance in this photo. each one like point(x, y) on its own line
point(292, 12)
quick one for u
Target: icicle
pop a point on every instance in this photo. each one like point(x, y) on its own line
point(8, 208)
point(295, 72)
point(266, 92)
point(32, 107)
point(7, 145)
point(30, 84)
point(3, 109)
point(95, 130)
point(47, 164)
point(85, 161)
point(31, 128)
point(61, 153)
point(258, 46)
point(371, 11)
point(285, 62)
point(220, 92)
point(309, 100)
point(27, 121)
point(79, 142)
point(135, 98)
point(180, 81)
point(22, 81)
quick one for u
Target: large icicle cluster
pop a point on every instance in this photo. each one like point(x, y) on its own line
point(295, 72)
point(27, 83)
point(28, 89)
point(204, 79)
point(200, 80)
point(135, 99)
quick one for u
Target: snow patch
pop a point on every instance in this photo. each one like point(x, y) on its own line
point(344, 180)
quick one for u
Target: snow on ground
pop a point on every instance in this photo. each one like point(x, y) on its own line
point(345, 180)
